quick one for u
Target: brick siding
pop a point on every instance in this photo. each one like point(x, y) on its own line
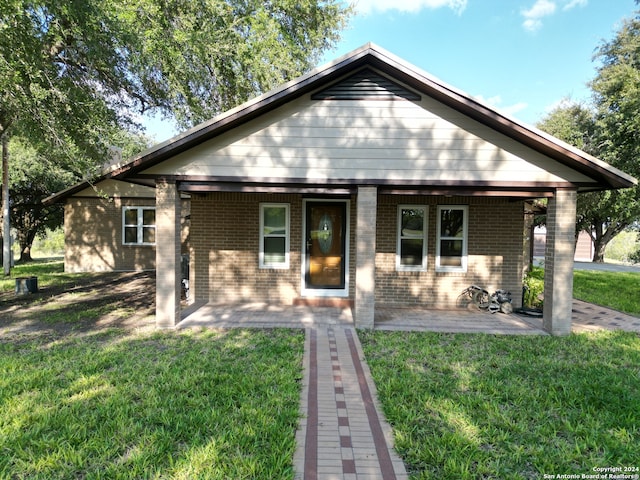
point(93, 236)
point(225, 244)
point(495, 252)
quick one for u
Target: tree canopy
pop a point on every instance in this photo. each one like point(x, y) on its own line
point(73, 72)
point(608, 129)
point(88, 60)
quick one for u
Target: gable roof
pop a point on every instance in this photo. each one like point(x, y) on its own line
point(366, 83)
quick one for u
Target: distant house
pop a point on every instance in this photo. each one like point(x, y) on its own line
point(364, 182)
point(583, 250)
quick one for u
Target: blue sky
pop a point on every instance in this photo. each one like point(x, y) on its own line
point(522, 57)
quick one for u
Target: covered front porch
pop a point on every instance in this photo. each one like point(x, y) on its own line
point(367, 311)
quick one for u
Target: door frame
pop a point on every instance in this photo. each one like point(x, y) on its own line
point(325, 292)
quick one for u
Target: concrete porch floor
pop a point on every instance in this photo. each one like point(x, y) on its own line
point(261, 315)
point(586, 317)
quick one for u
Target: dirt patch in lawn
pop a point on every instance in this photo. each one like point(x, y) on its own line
point(74, 306)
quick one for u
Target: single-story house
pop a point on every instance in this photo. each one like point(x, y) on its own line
point(364, 182)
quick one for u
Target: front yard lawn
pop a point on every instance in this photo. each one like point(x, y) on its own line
point(518, 407)
point(180, 405)
point(617, 290)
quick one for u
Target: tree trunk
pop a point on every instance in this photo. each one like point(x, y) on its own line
point(598, 250)
point(601, 237)
point(6, 225)
point(26, 242)
point(25, 254)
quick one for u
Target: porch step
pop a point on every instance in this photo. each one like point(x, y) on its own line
point(323, 302)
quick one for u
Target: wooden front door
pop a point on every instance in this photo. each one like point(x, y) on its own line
point(325, 245)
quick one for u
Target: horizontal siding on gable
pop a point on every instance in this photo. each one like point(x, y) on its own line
point(359, 139)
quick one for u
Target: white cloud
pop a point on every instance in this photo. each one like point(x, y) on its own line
point(409, 6)
point(515, 108)
point(496, 102)
point(575, 3)
point(533, 17)
point(544, 8)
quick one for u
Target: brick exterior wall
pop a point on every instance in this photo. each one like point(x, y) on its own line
point(495, 252)
point(366, 257)
point(168, 215)
point(225, 244)
point(558, 262)
point(224, 250)
point(93, 236)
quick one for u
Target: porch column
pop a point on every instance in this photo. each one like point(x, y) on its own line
point(558, 262)
point(168, 238)
point(365, 256)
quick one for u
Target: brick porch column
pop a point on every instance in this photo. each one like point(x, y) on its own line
point(558, 262)
point(168, 275)
point(365, 256)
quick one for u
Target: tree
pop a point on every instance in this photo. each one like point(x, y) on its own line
point(72, 71)
point(609, 130)
point(31, 179)
point(34, 176)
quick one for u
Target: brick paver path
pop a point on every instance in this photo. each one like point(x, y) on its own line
point(343, 434)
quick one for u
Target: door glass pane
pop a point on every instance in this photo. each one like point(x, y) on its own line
point(274, 250)
point(451, 223)
point(275, 220)
point(325, 245)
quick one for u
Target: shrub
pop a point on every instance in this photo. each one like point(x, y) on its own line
point(534, 288)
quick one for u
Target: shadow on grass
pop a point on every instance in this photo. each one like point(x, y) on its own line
point(207, 404)
point(67, 302)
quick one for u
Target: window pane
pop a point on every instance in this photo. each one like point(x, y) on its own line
point(412, 223)
point(451, 223)
point(274, 250)
point(130, 235)
point(131, 217)
point(275, 220)
point(450, 261)
point(411, 252)
point(149, 234)
point(451, 248)
point(149, 217)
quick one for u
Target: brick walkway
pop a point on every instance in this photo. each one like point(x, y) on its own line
point(343, 434)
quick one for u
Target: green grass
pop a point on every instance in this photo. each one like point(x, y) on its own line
point(50, 272)
point(481, 406)
point(180, 405)
point(618, 290)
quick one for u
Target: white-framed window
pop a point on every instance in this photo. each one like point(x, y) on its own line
point(411, 251)
point(274, 235)
point(139, 225)
point(452, 238)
